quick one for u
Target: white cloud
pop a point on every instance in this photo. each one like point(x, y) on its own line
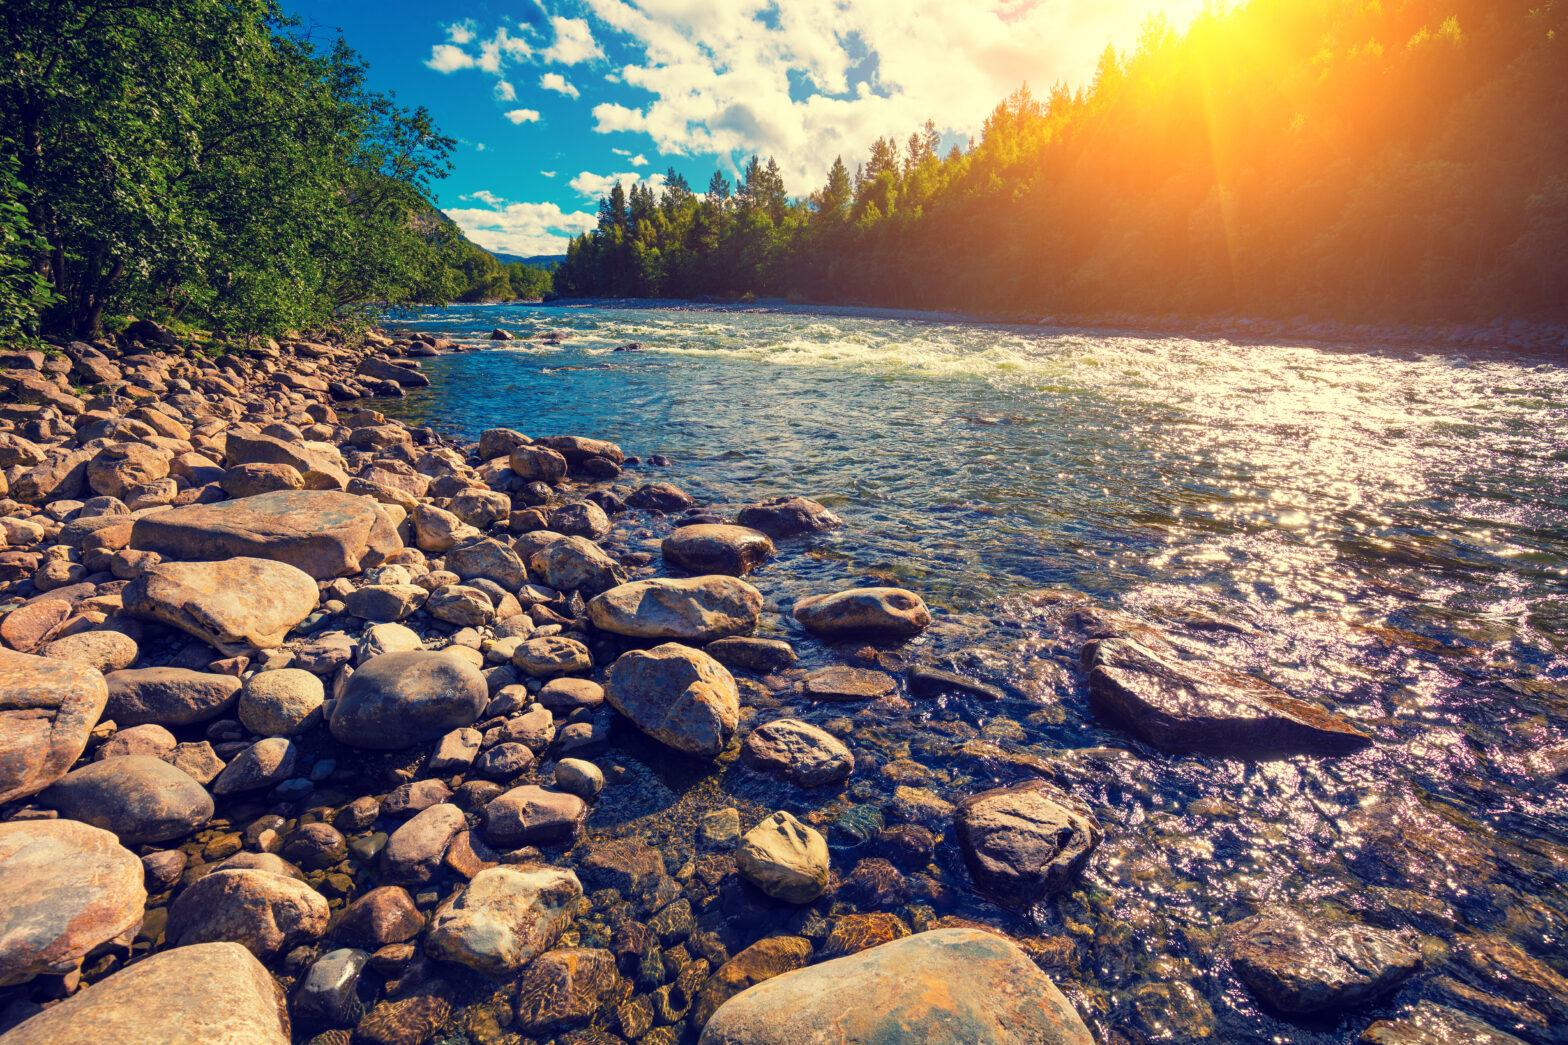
point(557, 83)
point(445, 58)
point(505, 92)
point(481, 147)
point(574, 42)
point(592, 185)
point(521, 116)
point(461, 32)
point(639, 160)
point(484, 196)
point(621, 152)
point(520, 228)
point(614, 117)
point(548, 174)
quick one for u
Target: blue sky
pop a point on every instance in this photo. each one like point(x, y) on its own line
point(553, 101)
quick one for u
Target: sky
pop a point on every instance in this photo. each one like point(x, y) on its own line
point(554, 101)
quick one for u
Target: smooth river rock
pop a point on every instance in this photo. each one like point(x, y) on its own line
point(1180, 707)
point(1300, 964)
point(169, 696)
point(233, 605)
point(784, 858)
point(504, 918)
point(697, 609)
point(139, 798)
point(789, 516)
point(47, 709)
point(68, 887)
point(707, 548)
point(397, 700)
point(265, 913)
point(943, 987)
point(677, 695)
point(205, 994)
point(1024, 843)
point(531, 815)
point(799, 752)
point(325, 533)
point(878, 612)
point(575, 564)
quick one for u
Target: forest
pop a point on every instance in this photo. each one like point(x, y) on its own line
point(1402, 159)
point(205, 163)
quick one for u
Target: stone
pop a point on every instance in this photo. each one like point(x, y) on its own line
point(247, 480)
point(798, 751)
point(456, 751)
point(1024, 843)
point(659, 497)
point(328, 991)
point(565, 988)
point(398, 700)
point(120, 466)
point(504, 918)
point(761, 961)
point(138, 740)
point(1300, 964)
point(281, 703)
point(551, 656)
point(575, 564)
point(265, 913)
point(719, 829)
point(103, 651)
point(933, 682)
point(499, 442)
point(384, 915)
point(784, 858)
point(386, 638)
point(580, 778)
point(845, 683)
point(579, 450)
point(788, 517)
point(481, 509)
point(413, 853)
point(853, 933)
point(1181, 707)
point(881, 612)
point(139, 798)
point(489, 559)
point(696, 610)
point(566, 695)
point(503, 761)
point(750, 653)
point(385, 602)
point(47, 709)
point(34, 623)
point(412, 1018)
point(626, 865)
point(325, 533)
point(579, 519)
point(198, 761)
point(532, 815)
point(232, 605)
point(185, 982)
point(945, 985)
point(461, 605)
point(416, 796)
point(315, 847)
point(679, 696)
point(538, 464)
point(708, 548)
point(436, 530)
point(265, 763)
point(1432, 1024)
point(169, 696)
point(383, 369)
point(69, 888)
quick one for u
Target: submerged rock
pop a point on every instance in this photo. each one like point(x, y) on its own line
point(505, 918)
point(699, 609)
point(1300, 964)
point(946, 985)
point(47, 710)
point(799, 752)
point(1432, 1024)
point(1023, 843)
point(677, 695)
point(761, 961)
point(233, 605)
point(565, 988)
point(708, 548)
point(889, 612)
point(1181, 707)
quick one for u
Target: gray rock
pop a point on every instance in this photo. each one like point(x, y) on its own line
point(799, 752)
point(139, 798)
point(679, 696)
point(698, 609)
point(462, 605)
point(489, 559)
point(397, 700)
point(1024, 843)
point(749, 653)
point(784, 858)
point(504, 918)
point(329, 990)
point(169, 696)
point(456, 751)
point(575, 564)
point(1302, 964)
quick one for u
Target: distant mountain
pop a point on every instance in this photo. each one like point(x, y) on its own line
point(537, 261)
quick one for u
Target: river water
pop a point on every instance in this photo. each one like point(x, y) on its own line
point(1385, 533)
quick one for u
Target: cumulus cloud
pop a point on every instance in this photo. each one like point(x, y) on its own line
point(574, 42)
point(557, 83)
point(521, 116)
point(520, 228)
point(638, 160)
point(592, 185)
point(448, 58)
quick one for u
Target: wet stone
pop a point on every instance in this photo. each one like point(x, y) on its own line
point(877, 612)
point(1431, 1024)
point(853, 933)
point(385, 915)
point(532, 815)
point(784, 858)
point(265, 913)
point(840, 683)
point(717, 548)
point(565, 988)
point(1024, 843)
point(504, 918)
point(1301, 964)
point(799, 752)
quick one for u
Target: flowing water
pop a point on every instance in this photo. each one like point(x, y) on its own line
point(1385, 533)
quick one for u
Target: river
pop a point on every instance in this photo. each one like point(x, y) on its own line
point(1382, 532)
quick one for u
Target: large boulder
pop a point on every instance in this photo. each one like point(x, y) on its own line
point(784, 858)
point(68, 887)
point(169, 696)
point(699, 609)
point(489, 559)
point(717, 548)
point(575, 564)
point(1181, 707)
point(47, 709)
point(1300, 964)
point(322, 532)
point(946, 985)
point(233, 605)
point(1024, 843)
point(263, 912)
point(769, 957)
point(882, 612)
point(677, 695)
point(206, 994)
point(397, 700)
point(120, 466)
point(505, 918)
point(139, 798)
point(799, 752)
point(788, 516)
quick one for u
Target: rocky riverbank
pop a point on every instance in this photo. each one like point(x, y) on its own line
point(318, 727)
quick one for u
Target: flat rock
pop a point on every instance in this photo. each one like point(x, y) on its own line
point(233, 605)
point(265, 763)
point(398, 700)
point(763, 960)
point(879, 612)
point(531, 815)
point(841, 682)
point(1301, 964)
point(413, 853)
point(946, 985)
point(187, 984)
point(679, 696)
point(1181, 707)
point(504, 918)
point(68, 887)
point(698, 609)
point(799, 752)
point(784, 858)
point(33, 623)
point(139, 798)
point(47, 709)
point(750, 653)
point(103, 651)
point(707, 548)
point(788, 517)
point(1432, 1024)
point(325, 533)
point(169, 696)
point(263, 912)
point(1024, 843)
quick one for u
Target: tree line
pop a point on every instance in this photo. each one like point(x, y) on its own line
point(1400, 160)
point(207, 162)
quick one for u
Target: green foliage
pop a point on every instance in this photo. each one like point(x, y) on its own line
point(23, 292)
point(202, 160)
point(1401, 159)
